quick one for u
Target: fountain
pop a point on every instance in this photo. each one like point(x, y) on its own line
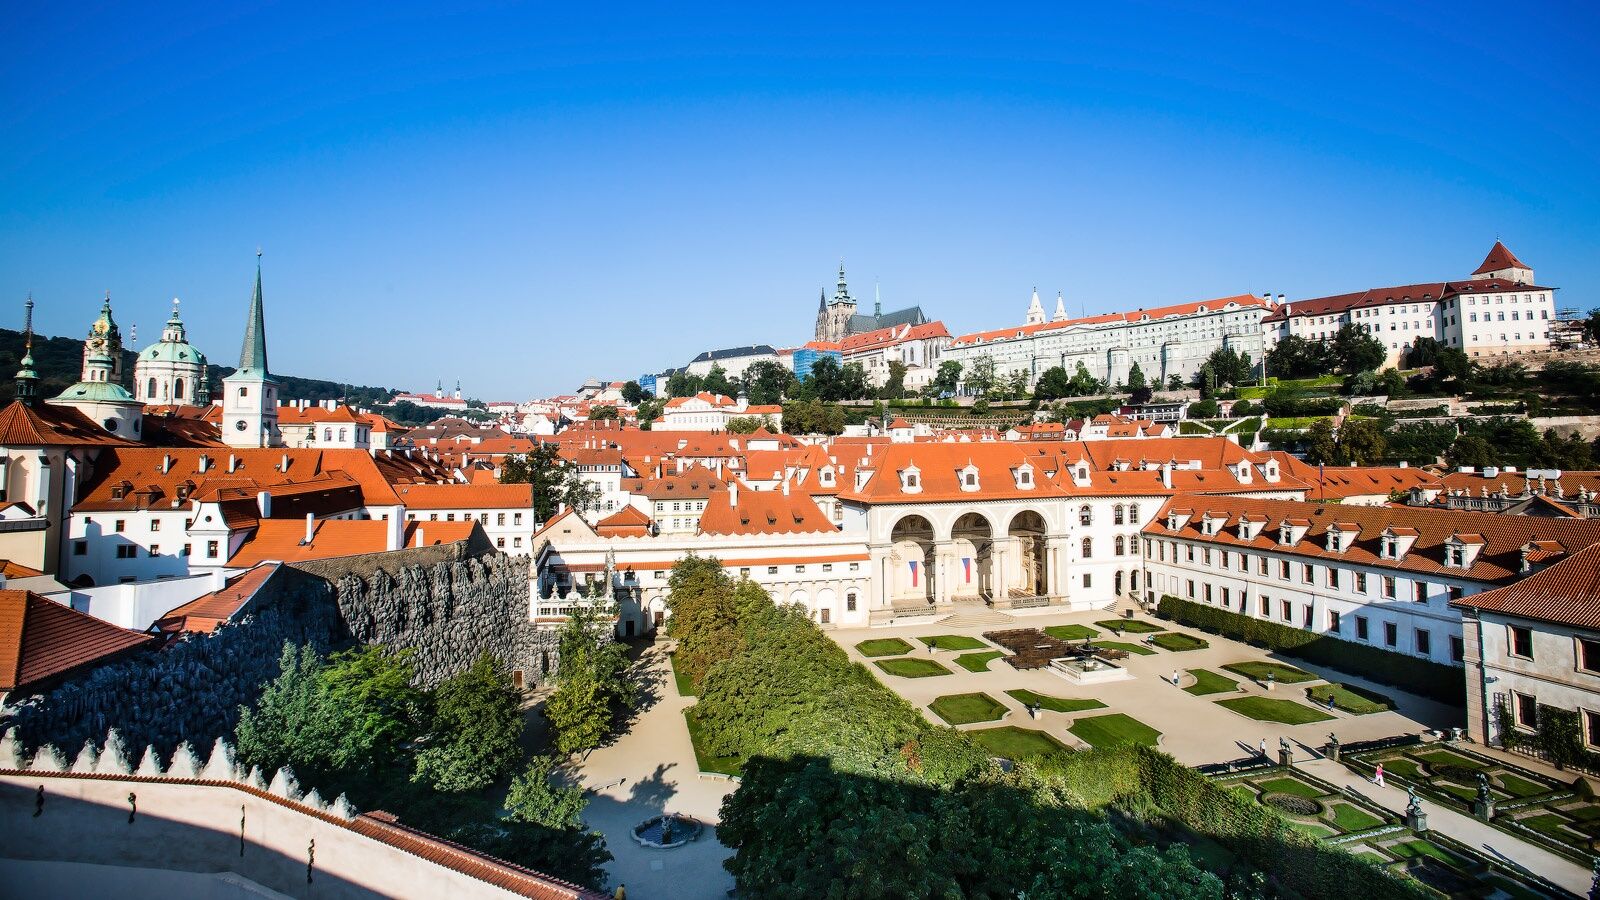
point(1088, 670)
point(666, 832)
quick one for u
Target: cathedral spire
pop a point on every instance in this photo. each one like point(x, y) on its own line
point(27, 389)
point(842, 294)
point(1061, 308)
point(1035, 310)
point(253, 357)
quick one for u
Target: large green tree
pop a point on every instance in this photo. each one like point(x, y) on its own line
point(592, 684)
point(852, 383)
point(765, 382)
point(1053, 385)
point(535, 800)
point(980, 377)
point(1354, 350)
point(716, 381)
point(632, 393)
point(555, 481)
point(894, 387)
point(946, 379)
point(1296, 357)
point(1229, 367)
point(476, 726)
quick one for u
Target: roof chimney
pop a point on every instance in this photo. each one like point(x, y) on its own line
point(1166, 474)
point(264, 503)
point(733, 493)
point(786, 487)
point(395, 535)
point(419, 536)
point(233, 463)
point(311, 529)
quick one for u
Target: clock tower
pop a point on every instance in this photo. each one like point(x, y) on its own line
point(250, 394)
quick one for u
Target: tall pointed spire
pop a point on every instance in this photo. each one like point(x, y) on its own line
point(842, 293)
point(877, 300)
point(27, 388)
point(1061, 308)
point(253, 357)
point(822, 299)
point(1035, 310)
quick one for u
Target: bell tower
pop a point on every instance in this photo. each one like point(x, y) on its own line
point(250, 394)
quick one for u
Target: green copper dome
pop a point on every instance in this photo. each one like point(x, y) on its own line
point(172, 351)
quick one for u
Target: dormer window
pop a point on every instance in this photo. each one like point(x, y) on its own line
point(1285, 534)
point(1386, 547)
point(968, 477)
point(1024, 474)
point(911, 480)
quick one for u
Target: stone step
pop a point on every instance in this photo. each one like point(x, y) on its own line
point(977, 618)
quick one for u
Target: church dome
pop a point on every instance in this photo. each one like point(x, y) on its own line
point(172, 351)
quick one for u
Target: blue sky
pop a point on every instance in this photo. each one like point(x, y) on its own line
point(522, 196)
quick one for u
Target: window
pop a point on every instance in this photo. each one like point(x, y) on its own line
point(1589, 655)
point(500, 518)
point(211, 549)
point(1133, 513)
point(1522, 642)
point(1424, 642)
point(1117, 514)
point(1361, 628)
point(799, 570)
point(1285, 610)
point(155, 524)
point(1189, 550)
point(1361, 582)
point(1283, 569)
point(772, 570)
point(127, 551)
point(500, 542)
point(1208, 592)
point(1085, 515)
point(1591, 728)
point(1309, 574)
point(855, 567)
point(120, 526)
point(1420, 591)
point(187, 549)
point(1527, 710)
point(1333, 577)
point(850, 602)
point(80, 548)
point(1118, 546)
point(1458, 649)
point(1227, 598)
point(1190, 589)
point(516, 518)
point(1388, 587)
point(155, 550)
point(1206, 556)
point(1391, 634)
point(516, 542)
point(1261, 566)
point(1222, 560)
point(1086, 579)
point(1333, 620)
point(1088, 547)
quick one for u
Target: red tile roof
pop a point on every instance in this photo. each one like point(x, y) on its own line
point(466, 496)
point(138, 472)
point(203, 614)
point(41, 639)
point(1566, 593)
point(628, 521)
point(280, 540)
point(763, 512)
point(1426, 292)
point(44, 425)
point(17, 570)
point(1499, 258)
point(889, 337)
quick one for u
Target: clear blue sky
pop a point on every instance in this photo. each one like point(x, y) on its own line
point(526, 195)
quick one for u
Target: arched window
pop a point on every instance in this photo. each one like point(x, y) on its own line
point(1085, 515)
point(1116, 514)
point(1119, 547)
point(177, 389)
point(1133, 513)
point(244, 391)
point(342, 433)
point(1088, 547)
point(327, 435)
point(150, 390)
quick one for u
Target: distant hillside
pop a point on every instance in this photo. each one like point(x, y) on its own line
point(59, 361)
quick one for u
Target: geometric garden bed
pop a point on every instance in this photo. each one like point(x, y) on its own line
point(1528, 804)
point(1372, 832)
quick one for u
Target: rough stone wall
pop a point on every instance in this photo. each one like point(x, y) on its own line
point(445, 608)
point(448, 613)
point(191, 690)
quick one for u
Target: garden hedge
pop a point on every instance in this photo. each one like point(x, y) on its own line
point(1437, 681)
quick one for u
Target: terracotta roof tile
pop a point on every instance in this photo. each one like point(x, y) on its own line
point(466, 496)
point(44, 425)
point(41, 639)
point(203, 614)
point(282, 540)
point(1566, 593)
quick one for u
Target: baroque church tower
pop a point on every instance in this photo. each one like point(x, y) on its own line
point(250, 394)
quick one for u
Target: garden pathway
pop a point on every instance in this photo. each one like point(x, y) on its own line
point(1462, 827)
point(656, 765)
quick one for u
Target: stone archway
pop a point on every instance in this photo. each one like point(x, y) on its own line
point(971, 574)
point(910, 576)
point(1027, 529)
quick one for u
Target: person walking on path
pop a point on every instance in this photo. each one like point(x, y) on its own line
point(1377, 775)
point(1263, 748)
point(1174, 677)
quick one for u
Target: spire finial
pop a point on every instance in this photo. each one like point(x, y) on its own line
point(27, 382)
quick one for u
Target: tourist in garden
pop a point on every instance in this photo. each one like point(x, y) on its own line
point(1377, 775)
point(1263, 747)
point(1174, 677)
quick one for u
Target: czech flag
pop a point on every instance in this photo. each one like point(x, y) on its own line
point(913, 573)
point(966, 567)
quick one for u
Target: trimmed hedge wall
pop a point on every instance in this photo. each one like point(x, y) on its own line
point(1296, 861)
point(1447, 684)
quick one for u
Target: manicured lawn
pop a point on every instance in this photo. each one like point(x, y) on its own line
point(1317, 831)
point(912, 668)
point(1280, 673)
point(726, 765)
point(964, 709)
point(684, 685)
point(1070, 632)
point(1437, 758)
point(1292, 786)
point(1208, 682)
point(1020, 744)
point(1130, 626)
point(953, 642)
point(1131, 648)
point(1520, 787)
point(1355, 700)
point(978, 662)
point(1054, 704)
point(1178, 642)
point(1286, 712)
point(1549, 824)
point(1349, 818)
point(1114, 730)
point(883, 647)
point(1405, 768)
point(1418, 849)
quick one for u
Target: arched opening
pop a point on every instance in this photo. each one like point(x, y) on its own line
point(150, 390)
point(1116, 583)
point(910, 576)
point(177, 389)
point(973, 540)
point(1027, 529)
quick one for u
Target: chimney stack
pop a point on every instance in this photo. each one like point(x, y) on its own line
point(395, 535)
point(1166, 474)
point(733, 493)
point(311, 529)
point(264, 503)
point(233, 463)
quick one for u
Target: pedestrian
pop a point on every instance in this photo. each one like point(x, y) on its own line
point(1174, 677)
point(1377, 775)
point(1263, 747)
point(1330, 701)
point(621, 892)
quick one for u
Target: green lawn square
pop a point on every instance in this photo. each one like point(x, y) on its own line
point(883, 647)
point(953, 642)
point(1284, 712)
point(912, 668)
point(964, 709)
point(1114, 730)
